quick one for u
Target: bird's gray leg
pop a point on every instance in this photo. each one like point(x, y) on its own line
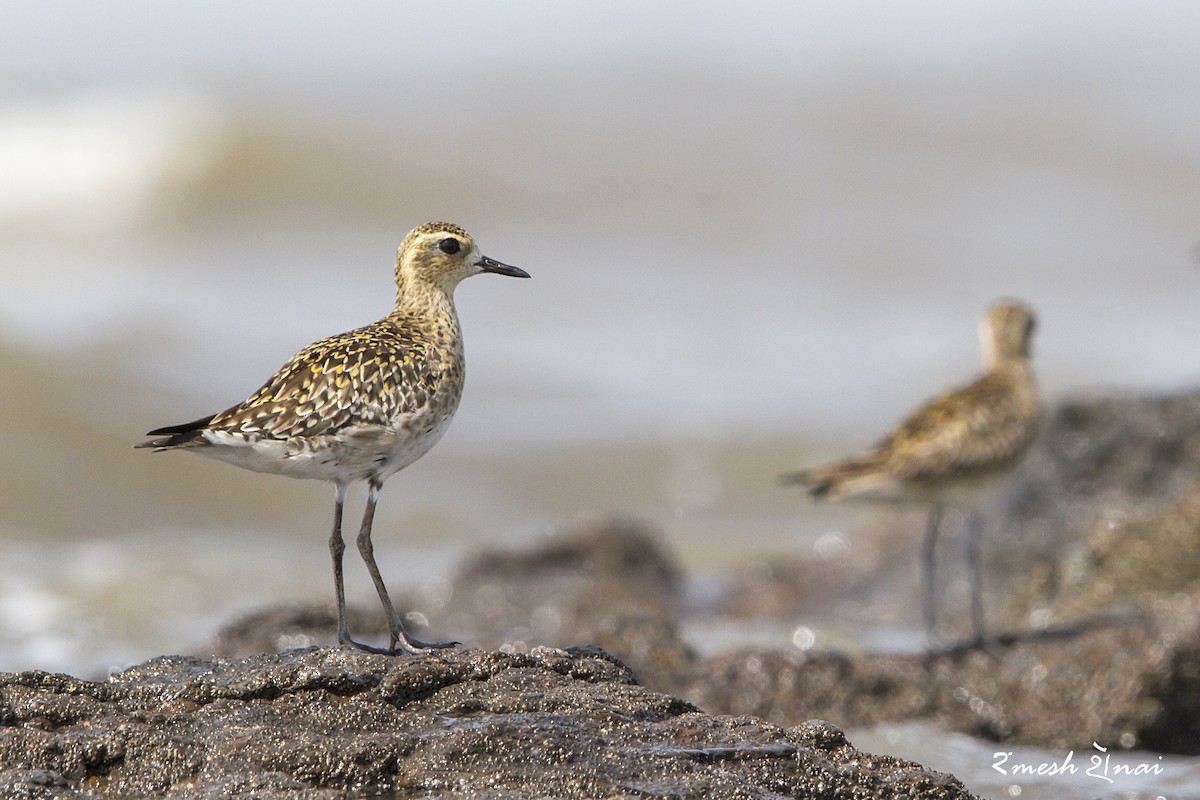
point(367, 551)
point(929, 563)
point(336, 548)
point(974, 529)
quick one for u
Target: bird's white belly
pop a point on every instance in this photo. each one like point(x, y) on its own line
point(353, 454)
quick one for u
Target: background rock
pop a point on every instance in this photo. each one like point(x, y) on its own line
point(1105, 517)
point(1115, 683)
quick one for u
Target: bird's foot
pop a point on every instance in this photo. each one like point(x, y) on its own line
point(402, 645)
point(345, 639)
point(408, 644)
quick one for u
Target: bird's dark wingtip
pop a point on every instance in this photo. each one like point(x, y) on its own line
point(814, 487)
point(187, 427)
point(174, 435)
point(820, 490)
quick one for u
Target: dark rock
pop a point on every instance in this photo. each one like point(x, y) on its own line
point(550, 592)
point(869, 577)
point(36, 784)
point(290, 627)
point(1120, 684)
point(651, 646)
point(1105, 517)
point(322, 723)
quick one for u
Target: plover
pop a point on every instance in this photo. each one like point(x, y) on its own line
point(361, 405)
point(953, 450)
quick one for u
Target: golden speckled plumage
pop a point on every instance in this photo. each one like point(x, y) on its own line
point(360, 405)
point(369, 376)
point(393, 382)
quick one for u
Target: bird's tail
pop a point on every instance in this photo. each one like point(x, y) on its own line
point(838, 478)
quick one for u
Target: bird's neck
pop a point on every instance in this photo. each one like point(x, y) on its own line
point(997, 356)
point(1018, 369)
point(415, 293)
point(427, 303)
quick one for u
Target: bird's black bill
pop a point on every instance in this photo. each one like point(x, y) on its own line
point(491, 265)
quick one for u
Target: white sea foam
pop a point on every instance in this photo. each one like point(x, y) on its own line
point(100, 162)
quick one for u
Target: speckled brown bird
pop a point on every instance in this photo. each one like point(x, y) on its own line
point(361, 405)
point(954, 449)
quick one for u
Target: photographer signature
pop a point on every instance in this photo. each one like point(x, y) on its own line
point(1099, 768)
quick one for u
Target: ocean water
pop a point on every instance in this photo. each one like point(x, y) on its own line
point(756, 238)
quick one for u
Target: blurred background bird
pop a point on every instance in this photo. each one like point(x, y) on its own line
point(952, 450)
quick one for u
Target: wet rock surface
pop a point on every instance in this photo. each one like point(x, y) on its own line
point(464, 723)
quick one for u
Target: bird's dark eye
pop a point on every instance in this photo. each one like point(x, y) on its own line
point(449, 245)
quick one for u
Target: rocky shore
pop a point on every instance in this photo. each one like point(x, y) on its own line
point(332, 722)
point(1094, 583)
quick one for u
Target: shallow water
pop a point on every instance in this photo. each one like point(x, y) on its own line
point(754, 244)
point(1004, 771)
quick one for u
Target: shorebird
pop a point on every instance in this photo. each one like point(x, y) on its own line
point(361, 405)
point(952, 450)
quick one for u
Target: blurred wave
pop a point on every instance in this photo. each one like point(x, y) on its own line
point(101, 163)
